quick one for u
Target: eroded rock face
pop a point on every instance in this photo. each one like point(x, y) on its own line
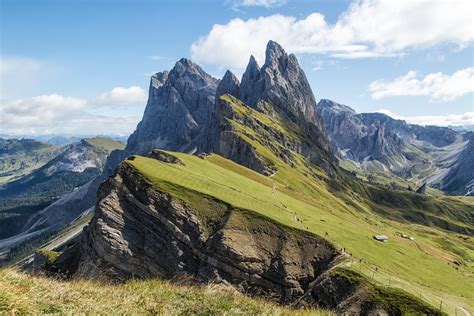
point(177, 110)
point(280, 81)
point(141, 231)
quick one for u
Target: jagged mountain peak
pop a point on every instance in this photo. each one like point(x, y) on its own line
point(277, 58)
point(228, 85)
point(280, 81)
point(177, 109)
point(159, 79)
point(274, 50)
point(188, 69)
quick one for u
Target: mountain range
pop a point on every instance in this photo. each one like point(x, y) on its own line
point(375, 142)
point(45, 174)
point(244, 183)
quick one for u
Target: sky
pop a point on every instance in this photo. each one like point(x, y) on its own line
point(83, 66)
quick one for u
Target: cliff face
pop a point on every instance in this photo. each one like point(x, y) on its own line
point(177, 110)
point(460, 177)
point(140, 230)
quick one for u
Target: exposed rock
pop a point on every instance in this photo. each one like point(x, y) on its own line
point(141, 231)
point(228, 85)
point(421, 189)
point(377, 142)
point(177, 110)
point(460, 177)
point(280, 81)
point(251, 85)
point(165, 157)
point(227, 143)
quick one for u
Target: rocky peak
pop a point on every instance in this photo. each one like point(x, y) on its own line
point(275, 56)
point(280, 81)
point(186, 69)
point(159, 79)
point(250, 86)
point(177, 109)
point(228, 85)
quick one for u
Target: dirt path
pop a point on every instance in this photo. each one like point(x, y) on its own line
point(465, 311)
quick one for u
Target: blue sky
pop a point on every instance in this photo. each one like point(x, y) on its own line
point(83, 67)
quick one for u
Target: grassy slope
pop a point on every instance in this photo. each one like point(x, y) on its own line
point(423, 264)
point(437, 266)
point(22, 160)
point(104, 144)
point(24, 294)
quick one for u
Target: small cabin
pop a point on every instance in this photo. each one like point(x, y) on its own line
point(381, 238)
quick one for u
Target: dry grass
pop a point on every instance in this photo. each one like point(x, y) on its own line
point(21, 293)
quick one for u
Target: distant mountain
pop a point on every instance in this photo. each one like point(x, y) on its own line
point(19, 157)
point(462, 128)
point(63, 139)
point(376, 142)
point(75, 165)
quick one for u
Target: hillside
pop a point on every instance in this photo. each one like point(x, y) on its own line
point(19, 157)
point(400, 262)
point(76, 165)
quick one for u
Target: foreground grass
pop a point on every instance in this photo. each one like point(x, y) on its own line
point(25, 294)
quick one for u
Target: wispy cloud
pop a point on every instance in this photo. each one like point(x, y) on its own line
point(368, 29)
point(439, 120)
point(156, 57)
point(437, 86)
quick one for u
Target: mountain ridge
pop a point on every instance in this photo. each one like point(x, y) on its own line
point(377, 142)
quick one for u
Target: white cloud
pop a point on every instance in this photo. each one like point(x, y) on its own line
point(259, 3)
point(57, 114)
point(123, 96)
point(437, 86)
point(369, 28)
point(440, 120)
point(39, 109)
point(156, 57)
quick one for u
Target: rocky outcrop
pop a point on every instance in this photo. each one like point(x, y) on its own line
point(139, 230)
point(164, 157)
point(422, 189)
point(348, 292)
